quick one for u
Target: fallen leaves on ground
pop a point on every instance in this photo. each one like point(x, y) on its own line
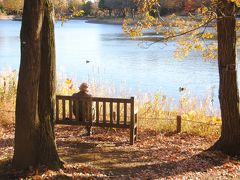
point(107, 154)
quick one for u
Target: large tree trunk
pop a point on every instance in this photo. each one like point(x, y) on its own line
point(27, 121)
point(34, 137)
point(229, 141)
point(47, 148)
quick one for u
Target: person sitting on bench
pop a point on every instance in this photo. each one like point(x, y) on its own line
point(82, 109)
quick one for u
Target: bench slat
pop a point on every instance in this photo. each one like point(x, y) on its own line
point(125, 113)
point(76, 122)
point(106, 115)
point(104, 112)
point(70, 109)
point(111, 112)
point(118, 113)
point(97, 112)
point(100, 99)
point(63, 109)
point(132, 111)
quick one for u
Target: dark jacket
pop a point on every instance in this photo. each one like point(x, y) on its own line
point(82, 107)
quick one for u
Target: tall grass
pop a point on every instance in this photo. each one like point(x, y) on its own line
point(8, 89)
point(155, 111)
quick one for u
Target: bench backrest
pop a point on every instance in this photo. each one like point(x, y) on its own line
point(109, 112)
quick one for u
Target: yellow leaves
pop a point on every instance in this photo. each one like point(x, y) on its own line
point(207, 35)
point(238, 25)
point(148, 16)
point(184, 49)
point(147, 5)
point(210, 51)
point(69, 84)
point(237, 2)
point(68, 81)
point(189, 31)
point(67, 88)
point(203, 10)
point(132, 31)
point(192, 114)
point(198, 46)
point(78, 13)
point(216, 120)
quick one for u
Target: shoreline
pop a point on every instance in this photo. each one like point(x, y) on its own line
point(7, 17)
point(105, 21)
point(99, 20)
point(92, 20)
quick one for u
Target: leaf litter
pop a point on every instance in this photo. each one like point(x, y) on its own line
point(108, 155)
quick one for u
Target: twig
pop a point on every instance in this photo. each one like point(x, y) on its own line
point(181, 34)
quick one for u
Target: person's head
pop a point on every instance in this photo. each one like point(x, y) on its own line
point(83, 87)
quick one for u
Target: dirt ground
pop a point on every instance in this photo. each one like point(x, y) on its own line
point(108, 155)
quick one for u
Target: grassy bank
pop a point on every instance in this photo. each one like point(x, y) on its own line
point(156, 111)
point(158, 153)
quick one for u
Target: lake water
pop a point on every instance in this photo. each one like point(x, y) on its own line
point(116, 59)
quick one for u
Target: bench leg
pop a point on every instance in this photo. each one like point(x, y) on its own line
point(132, 136)
point(134, 130)
point(135, 133)
point(136, 127)
point(89, 130)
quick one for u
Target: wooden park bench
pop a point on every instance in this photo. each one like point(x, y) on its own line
point(106, 112)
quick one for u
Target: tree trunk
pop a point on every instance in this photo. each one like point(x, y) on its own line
point(47, 148)
point(27, 121)
point(34, 139)
point(229, 141)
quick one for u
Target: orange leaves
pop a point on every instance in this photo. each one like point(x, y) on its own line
point(155, 156)
point(237, 2)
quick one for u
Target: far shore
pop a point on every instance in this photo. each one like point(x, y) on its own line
point(6, 17)
point(117, 21)
point(113, 21)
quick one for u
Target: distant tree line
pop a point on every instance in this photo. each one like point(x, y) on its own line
point(123, 8)
point(181, 7)
point(111, 8)
point(11, 6)
point(61, 7)
point(87, 8)
point(118, 8)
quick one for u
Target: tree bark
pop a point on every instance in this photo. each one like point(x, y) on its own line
point(27, 121)
point(34, 136)
point(47, 148)
point(229, 141)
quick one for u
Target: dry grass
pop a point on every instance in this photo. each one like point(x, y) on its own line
point(159, 152)
point(156, 111)
point(8, 83)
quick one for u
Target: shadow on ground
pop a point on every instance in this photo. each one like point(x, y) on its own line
point(107, 154)
point(170, 155)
